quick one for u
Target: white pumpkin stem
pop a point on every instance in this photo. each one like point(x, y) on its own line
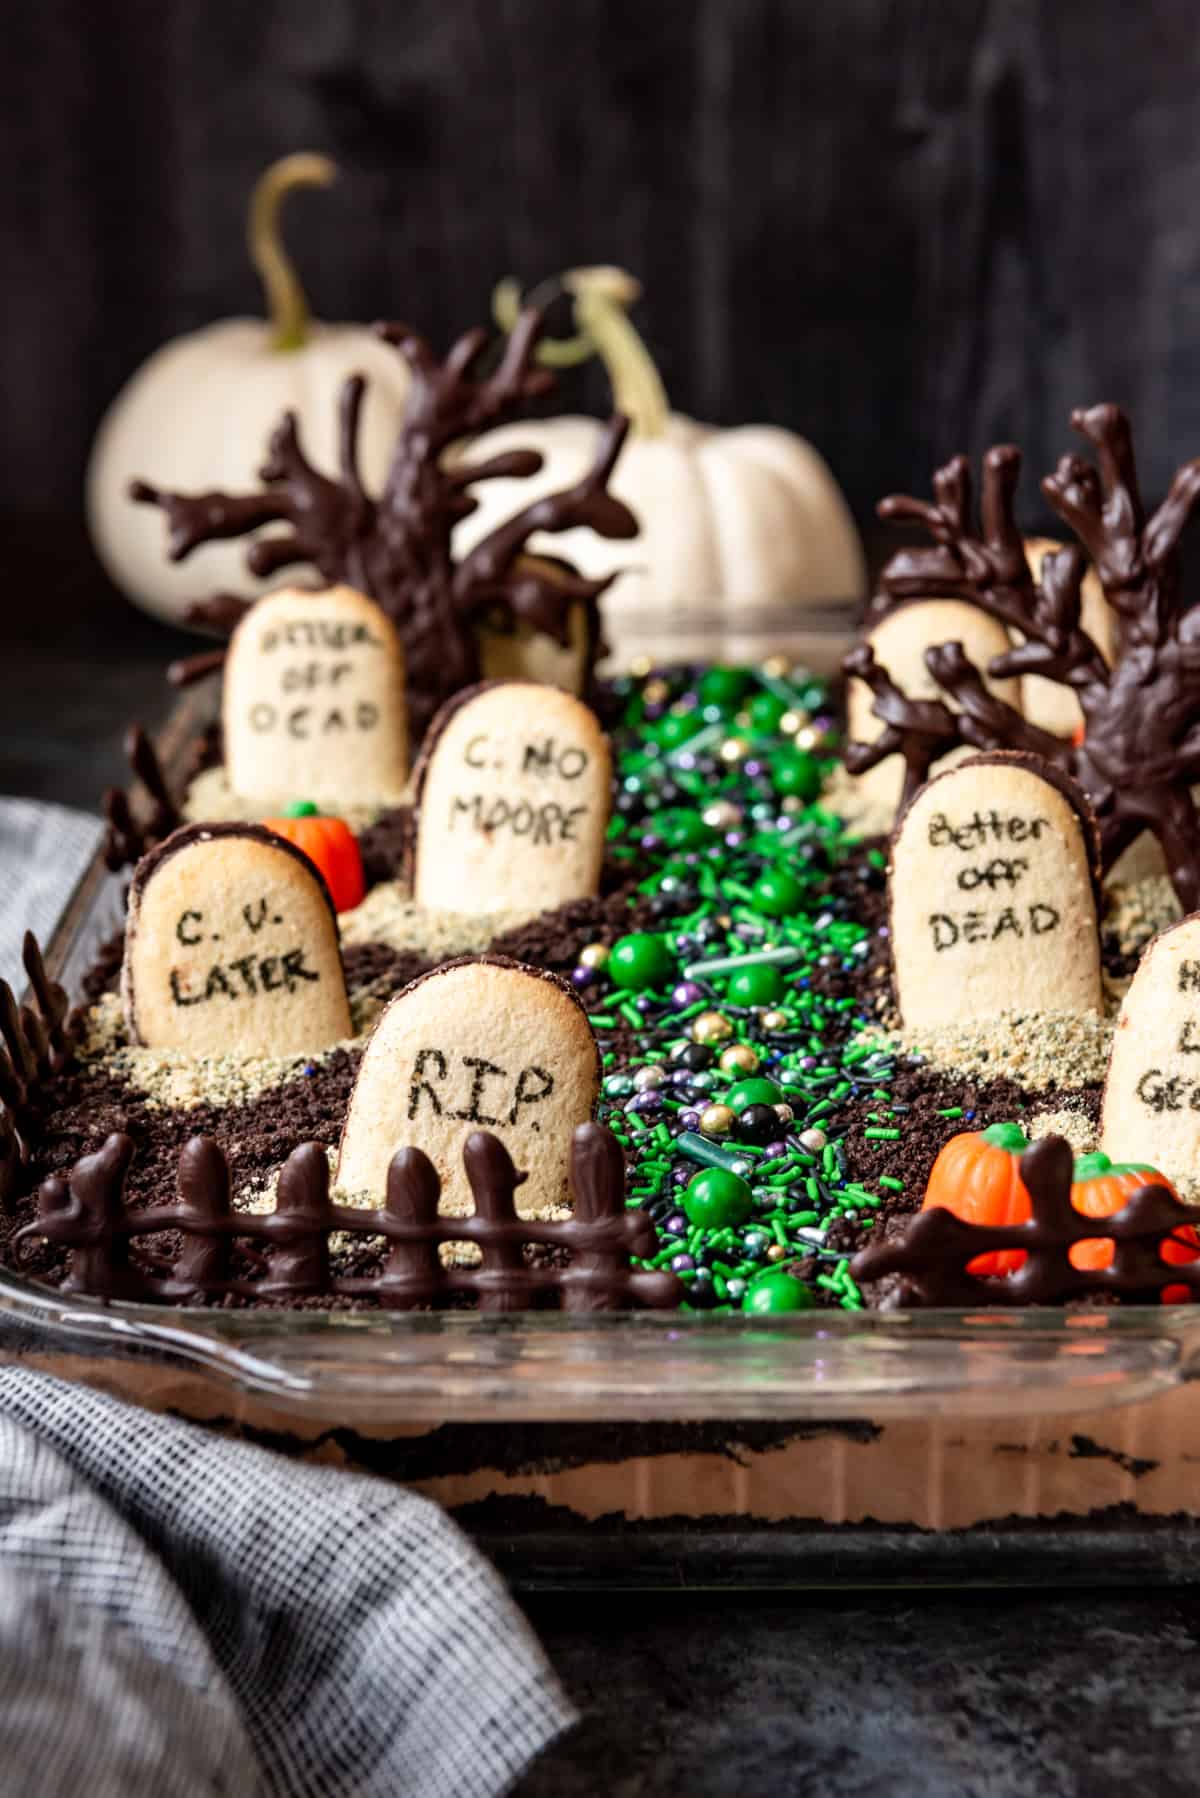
point(287, 307)
point(601, 298)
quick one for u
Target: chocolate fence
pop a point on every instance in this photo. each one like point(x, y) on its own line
point(87, 1214)
point(38, 1040)
point(932, 1250)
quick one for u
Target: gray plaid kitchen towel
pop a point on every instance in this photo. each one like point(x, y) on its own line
point(184, 1615)
point(43, 851)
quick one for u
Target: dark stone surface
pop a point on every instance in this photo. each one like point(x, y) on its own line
point(975, 1695)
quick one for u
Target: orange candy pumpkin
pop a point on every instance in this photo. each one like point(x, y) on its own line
point(331, 845)
point(977, 1176)
point(1099, 1189)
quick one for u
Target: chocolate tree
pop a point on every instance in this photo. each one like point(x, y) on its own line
point(396, 546)
point(1140, 753)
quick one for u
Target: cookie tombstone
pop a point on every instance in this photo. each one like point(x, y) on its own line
point(483, 1044)
point(512, 801)
point(993, 900)
point(313, 704)
point(900, 641)
point(231, 947)
point(1151, 1109)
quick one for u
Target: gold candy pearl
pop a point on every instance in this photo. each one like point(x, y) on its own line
point(640, 667)
point(783, 1112)
point(739, 1058)
point(776, 1252)
point(711, 1027)
point(594, 956)
point(716, 1120)
point(776, 667)
point(734, 749)
point(774, 1020)
point(655, 691)
point(649, 1076)
point(722, 814)
point(807, 738)
point(791, 802)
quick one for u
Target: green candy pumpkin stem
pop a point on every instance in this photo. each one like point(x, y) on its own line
point(601, 297)
point(287, 307)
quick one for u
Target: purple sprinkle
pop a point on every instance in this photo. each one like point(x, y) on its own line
point(685, 759)
point(734, 839)
point(689, 1120)
point(582, 977)
point(680, 1264)
point(682, 1175)
point(686, 993)
point(808, 1063)
point(650, 842)
point(773, 1150)
point(883, 931)
point(752, 767)
point(650, 1100)
point(676, 1224)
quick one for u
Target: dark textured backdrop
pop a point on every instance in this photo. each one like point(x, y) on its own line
point(901, 226)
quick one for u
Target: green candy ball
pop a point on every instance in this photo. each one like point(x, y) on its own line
point(777, 893)
point(795, 775)
point(775, 1292)
point(641, 960)
point(755, 986)
point(715, 1199)
point(723, 686)
point(755, 1091)
point(673, 731)
point(765, 712)
point(682, 829)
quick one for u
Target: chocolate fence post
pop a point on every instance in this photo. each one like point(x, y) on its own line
point(203, 1185)
point(504, 1283)
point(299, 1227)
point(92, 1223)
point(53, 1006)
point(412, 1274)
point(10, 1154)
point(598, 1186)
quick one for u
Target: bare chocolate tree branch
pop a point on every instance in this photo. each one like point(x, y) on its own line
point(1140, 750)
point(397, 546)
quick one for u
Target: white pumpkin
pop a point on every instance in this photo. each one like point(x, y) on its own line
point(741, 530)
point(197, 414)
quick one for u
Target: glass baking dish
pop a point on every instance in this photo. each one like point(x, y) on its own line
point(676, 1426)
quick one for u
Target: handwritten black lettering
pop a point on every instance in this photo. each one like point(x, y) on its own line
point(318, 633)
point(981, 829)
point(527, 1094)
point(421, 1085)
point(471, 1113)
point(255, 923)
point(1189, 976)
point(540, 825)
point(181, 934)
